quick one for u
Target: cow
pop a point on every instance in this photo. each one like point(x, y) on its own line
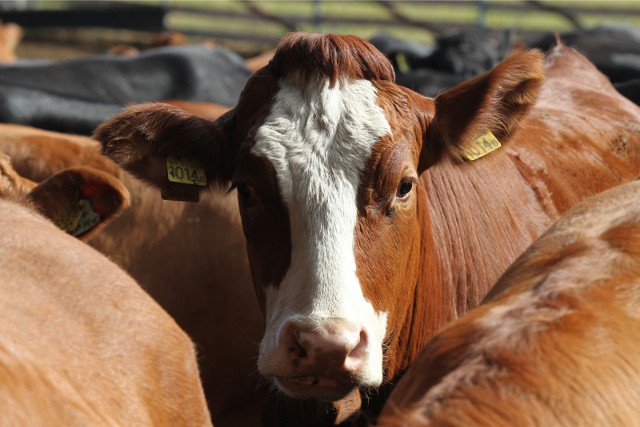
point(80, 342)
point(613, 48)
point(56, 95)
point(368, 225)
point(457, 56)
point(166, 247)
point(557, 340)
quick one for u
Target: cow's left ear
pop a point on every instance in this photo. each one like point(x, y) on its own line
point(492, 102)
point(80, 200)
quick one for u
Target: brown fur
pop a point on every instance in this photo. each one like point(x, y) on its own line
point(80, 342)
point(10, 36)
point(556, 343)
point(206, 110)
point(267, 225)
point(430, 258)
point(206, 291)
point(330, 55)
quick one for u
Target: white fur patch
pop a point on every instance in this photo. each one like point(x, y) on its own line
point(318, 140)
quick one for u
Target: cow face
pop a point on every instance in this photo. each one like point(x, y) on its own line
point(326, 152)
point(314, 194)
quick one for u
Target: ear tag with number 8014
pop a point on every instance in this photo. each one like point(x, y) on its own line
point(482, 146)
point(185, 171)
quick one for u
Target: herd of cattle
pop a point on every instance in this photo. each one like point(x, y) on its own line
point(360, 253)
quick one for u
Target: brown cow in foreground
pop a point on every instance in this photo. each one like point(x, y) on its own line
point(81, 344)
point(167, 247)
point(366, 229)
point(556, 343)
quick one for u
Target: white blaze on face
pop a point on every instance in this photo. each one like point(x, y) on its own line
point(318, 140)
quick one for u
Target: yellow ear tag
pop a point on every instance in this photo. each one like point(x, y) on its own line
point(185, 171)
point(482, 146)
point(80, 220)
point(403, 63)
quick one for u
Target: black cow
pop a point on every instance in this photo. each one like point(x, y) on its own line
point(76, 95)
point(457, 56)
point(630, 89)
point(613, 48)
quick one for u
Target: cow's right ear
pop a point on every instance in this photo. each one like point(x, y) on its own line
point(177, 152)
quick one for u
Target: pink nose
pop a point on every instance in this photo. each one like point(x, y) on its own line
point(330, 346)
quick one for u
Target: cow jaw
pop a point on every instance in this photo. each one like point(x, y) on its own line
point(323, 338)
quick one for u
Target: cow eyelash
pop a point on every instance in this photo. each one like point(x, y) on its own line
point(244, 190)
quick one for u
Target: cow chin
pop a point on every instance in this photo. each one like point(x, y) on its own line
point(325, 389)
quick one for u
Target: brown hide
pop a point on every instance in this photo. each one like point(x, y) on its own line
point(556, 343)
point(80, 342)
point(206, 110)
point(188, 257)
point(10, 36)
point(580, 138)
point(465, 221)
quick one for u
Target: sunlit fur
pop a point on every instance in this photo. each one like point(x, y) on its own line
point(557, 341)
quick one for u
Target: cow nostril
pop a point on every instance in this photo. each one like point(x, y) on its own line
point(357, 355)
point(295, 348)
point(299, 351)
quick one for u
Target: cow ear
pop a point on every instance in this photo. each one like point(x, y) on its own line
point(493, 102)
point(81, 201)
point(175, 151)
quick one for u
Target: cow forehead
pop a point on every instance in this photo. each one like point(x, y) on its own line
point(319, 137)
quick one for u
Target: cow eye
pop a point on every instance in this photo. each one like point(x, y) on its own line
point(244, 191)
point(404, 188)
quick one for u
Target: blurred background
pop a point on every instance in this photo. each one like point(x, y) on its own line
point(249, 27)
point(96, 56)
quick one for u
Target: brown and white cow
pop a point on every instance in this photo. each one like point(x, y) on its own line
point(80, 342)
point(366, 230)
point(557, 342)
point(166, 247)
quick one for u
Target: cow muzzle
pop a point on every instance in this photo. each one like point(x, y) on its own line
point(321, 358)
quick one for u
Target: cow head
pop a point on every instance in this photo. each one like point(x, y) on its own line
point(325, 152)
